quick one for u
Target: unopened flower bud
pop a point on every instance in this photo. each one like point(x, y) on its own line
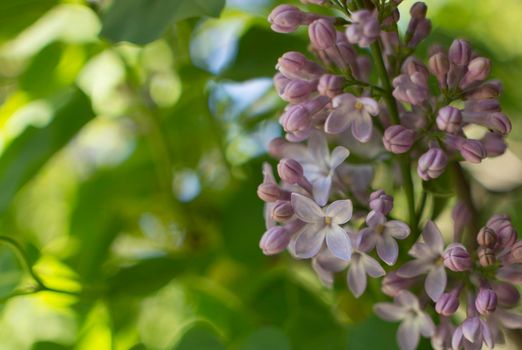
point(478, 70)
point(398, 139)
point(314, 2)
point(296, 118)
point(506, 233)
point(486, 256)
point(486, 301)
point(275, 240)
point(507, 294)
point(483, 105)
point(393, 284)
point(414, 65)
point(298, 90)
point(432, 164)
point(276, 147)
point(381, 202)
point(439, 67)
point(418, 10)
point(457, 258)
point(290, 171)
point(286, 18)
point(322, 34)
point(447, 304)
point(488, 89)
point(473, 151)
point(449, 119)
point(421, 32)
point(494, 144)
point(487, 237)
point(282, 211)
point(331, 85)
point(271, 192)
point(364, 28)
point(516, 252)
point(460, 52)
point(294, 65)
point(499, 122)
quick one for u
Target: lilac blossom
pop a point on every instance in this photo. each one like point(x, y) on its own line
point(382, 234)
point(356, 112)
point(414, 321)
point(322, 225)
point(428, 260)
point(364, 28)
point(361, 265)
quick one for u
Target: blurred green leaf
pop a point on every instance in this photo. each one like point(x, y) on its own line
point(16, 15)
point(47, 345)
point(24, 157)
point(12, 272)
point(441, 186)
point(143, 21)
point(266, 338)
point(373, 333)
point(200, 336)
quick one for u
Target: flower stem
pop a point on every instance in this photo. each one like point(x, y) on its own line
point(463, 190)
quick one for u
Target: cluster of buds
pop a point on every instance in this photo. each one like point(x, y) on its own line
point(323, 209)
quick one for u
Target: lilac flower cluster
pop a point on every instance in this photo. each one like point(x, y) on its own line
point(323, 208)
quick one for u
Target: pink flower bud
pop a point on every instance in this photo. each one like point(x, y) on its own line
point(271, 192)
point(296, 118)
point(460, 52)
point(473, 151)
point(500, 123)
point(290, 171)
point(398, 139)
point(449, 119)
point(488, 89)
point(280, 83)
point(297, 91)
point(364, 28)
point(331, 85)
point(507, 294)
point(456, 258)
point(282, 211)
point(486, 301)
point(381, 202)
point(487, 237)
point(393, 284)
point(486, 256)
point(294, 65)
point(516, 252)
point(478, 70)
point(483, 105)
point(277, 146)
point(494, 144)
point(421, 32)
point(432, 164)
point(418, 10)
point(411, 89)
point(506, 233)
point(439, 67)
point(275, 240)
point(286, 18)
point(322, 34)
point(448, 303)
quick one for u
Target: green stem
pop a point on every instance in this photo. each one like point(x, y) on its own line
point(463, 190)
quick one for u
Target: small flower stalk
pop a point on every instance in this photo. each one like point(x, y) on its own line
point(361, 88)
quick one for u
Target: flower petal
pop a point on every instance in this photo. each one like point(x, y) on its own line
point(339, 155)
point(362, 127)
point(387, 249)
point(426, 325)
point(318, 148)
point(330, 262)
point(508, 319)
point(390, 312)
point(367, 239)
point(420, 250)
point(471, 329)
point(456, 340)
point(309, 241)
point(436, 282)
point(375, 218)
point(433, 237)
point(370, 105)
point(486, 335)
point(338, 242)
point(336, 122)
point(340, 211)
point(414, 268)
point(408, 335)
point(356, 279)
point(372, 266)
point(397, 229)
point(306, 209)
point(324, 275)
point(321, 189)
point(407, 299)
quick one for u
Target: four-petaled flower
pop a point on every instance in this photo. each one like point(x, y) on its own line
point(356, 112)
point(428, 259)
point(322, 225)
point(382, 234)
point(415, 322)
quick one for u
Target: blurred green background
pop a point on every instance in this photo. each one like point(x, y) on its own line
point(131, 140)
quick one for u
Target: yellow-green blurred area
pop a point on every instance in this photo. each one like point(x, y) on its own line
point(132, 135)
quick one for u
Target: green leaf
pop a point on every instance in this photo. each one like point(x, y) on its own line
point(24, 157)
point(143, 21)
point(441, 186)
point(200, 336)
point(16, 15)
point(266, 338)
point(362, 336)
point(11, 270)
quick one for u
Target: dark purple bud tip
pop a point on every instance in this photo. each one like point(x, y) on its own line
point(486, 301)
point(457, 258)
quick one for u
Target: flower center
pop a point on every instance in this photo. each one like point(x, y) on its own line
point(379, 229)
point(327, 220)
point(359, 106)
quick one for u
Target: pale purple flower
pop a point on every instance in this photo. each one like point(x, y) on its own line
point(287, 18)
point(471, 334)
point(318, 163)
point(364, 28)
point(393, 284)
point(331, 85)
point(294, 65)
point(428, 260)
point(414, 321)
point(411, 89)
point(356, 112)
point(275, 240)
point(361, 264)
point(325, 264)
point(381, 202)
point(382, 234)
point(322, 225)
point(507, 294)
point(441, 340)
